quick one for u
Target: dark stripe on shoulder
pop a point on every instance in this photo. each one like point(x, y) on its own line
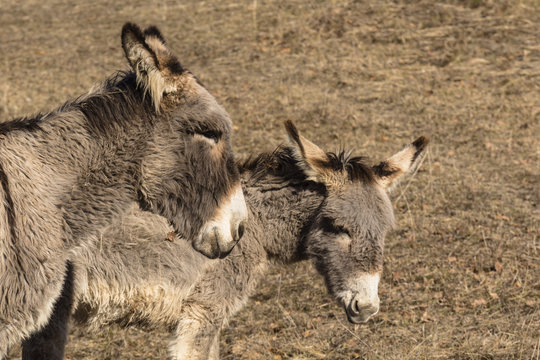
point(9, 209)
point(9, 202)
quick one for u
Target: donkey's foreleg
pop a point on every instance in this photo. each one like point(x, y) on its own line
point(194, 340)
point(214, 348)
point(49, 343)
point(26, 301)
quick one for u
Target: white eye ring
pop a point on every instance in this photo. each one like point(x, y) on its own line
point(344, 240)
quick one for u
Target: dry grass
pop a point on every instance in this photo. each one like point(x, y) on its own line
point(462, 271)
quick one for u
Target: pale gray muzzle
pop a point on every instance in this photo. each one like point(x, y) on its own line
point(219, 235)
point(361, 299)
point(358, 312)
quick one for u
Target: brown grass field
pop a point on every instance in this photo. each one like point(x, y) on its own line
point(462, 267)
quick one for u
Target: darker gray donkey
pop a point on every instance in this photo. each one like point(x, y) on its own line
point(303, 203)
point(153, 135)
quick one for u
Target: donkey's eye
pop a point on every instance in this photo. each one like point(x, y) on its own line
point(212, 135)
point(328, 225)
point(208, 135)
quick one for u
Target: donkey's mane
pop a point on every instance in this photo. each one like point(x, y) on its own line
point(355, 166)
point(282, 163)
point(113, 102)
point(23, 123)
point(116, 102)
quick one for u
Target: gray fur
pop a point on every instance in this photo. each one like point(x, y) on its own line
point(136, 277)
point(67, 174)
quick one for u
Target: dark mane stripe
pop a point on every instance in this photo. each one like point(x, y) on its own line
point(24, 123)
point(355, 166)
point(116, 105)
point(282, 163)
point(118, 101)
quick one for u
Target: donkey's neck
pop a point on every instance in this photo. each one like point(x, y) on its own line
point(283, 212)
point(86, 167)
point(110, 173)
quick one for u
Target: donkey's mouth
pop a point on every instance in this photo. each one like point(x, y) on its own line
point(213, 243)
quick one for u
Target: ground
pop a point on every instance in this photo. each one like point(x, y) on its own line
point(462, 267)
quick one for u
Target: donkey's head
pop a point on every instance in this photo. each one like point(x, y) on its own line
point(188, 173)
point(346, 238)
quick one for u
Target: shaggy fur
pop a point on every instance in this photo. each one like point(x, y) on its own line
point(66, 174)
point(133, 279)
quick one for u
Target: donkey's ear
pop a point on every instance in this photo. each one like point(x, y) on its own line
point(151, 60)
point(310, 157)
point(154, 32)
point(143, 61)
point(406, 161)
point(167, 62)
point(156, 42)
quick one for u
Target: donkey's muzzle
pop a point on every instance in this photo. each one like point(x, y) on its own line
point(213, 246)
point(358, 312)
point(220, 235)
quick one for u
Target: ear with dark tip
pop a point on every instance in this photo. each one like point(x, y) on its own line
point(155, 41)
point(144, 62)
point(135, 47)
point(310, 157)
point(390, 171)
point(153, 31)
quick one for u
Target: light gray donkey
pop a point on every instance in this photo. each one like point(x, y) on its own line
point(303, 203)
point(153, 135)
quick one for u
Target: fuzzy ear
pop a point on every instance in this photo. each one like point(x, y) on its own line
point(406, 161)
point(151, 60)
point(153, 31)
point(155, 41)
point(310, 157)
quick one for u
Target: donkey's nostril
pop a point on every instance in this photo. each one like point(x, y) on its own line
point(360, 313)
point(207, 243)
point(354, 307)
point(215, 233)
point(238, 231)
point(241, 229)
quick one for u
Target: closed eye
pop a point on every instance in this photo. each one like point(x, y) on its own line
point(209, 135)
point(213, 135)
point(328, 225)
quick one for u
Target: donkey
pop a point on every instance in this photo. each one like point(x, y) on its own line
point(153, 135)
point(303, 203)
